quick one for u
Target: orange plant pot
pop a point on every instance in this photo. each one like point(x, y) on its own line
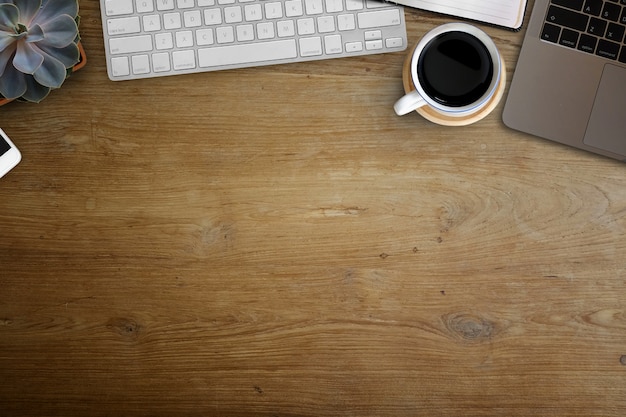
point(81, 63)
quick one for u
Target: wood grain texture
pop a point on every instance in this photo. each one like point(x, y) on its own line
point(276, 242)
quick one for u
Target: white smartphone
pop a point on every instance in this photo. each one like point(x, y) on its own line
point(9, 154)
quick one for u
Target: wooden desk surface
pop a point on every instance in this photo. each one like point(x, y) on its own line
point(276, 242)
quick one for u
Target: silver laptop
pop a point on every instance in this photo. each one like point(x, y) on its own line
point(569, 85)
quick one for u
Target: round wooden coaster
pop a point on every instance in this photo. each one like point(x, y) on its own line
point(434, 116)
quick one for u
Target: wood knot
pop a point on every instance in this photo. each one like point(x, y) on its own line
point(469, 328)
point(127, 328)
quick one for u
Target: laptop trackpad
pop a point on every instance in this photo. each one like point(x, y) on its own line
point(607, 125)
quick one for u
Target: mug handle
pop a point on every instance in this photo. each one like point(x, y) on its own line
point(409, 102)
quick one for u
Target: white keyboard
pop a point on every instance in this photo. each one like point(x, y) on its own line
point(153, 38)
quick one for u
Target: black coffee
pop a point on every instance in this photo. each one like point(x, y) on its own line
point(455, 69)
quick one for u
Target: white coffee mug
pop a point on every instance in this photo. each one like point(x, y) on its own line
point(455, 69)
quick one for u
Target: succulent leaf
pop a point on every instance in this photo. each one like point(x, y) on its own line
point(60, 31)
point(9, 16)
point(53, 8)
point(68, 55)
point(12, 83)
point(27, 59)
point(28, 9)
point(35, 92)
point(6, 39)
point(6, 55)
point(51, 73)
point(35, 34)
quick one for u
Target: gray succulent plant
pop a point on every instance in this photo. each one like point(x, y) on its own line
point(38, 45)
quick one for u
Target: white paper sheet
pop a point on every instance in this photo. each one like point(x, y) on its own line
point(507, 13)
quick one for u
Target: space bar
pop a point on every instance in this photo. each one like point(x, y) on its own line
point(247, 53)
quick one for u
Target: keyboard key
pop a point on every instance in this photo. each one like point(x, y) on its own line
point(285, 28)
point(184, 60)
point(120, 66)
point(607, 49)
point(587, 43)
point(570, 4)
point(334, 6)
point(615, 32)
point(118, 7)
point(192, 18)
point(184, 39)
point(354, 46)
point(394, 42)
point(144, 6)
point(151, 23)
point(567, 18)
point(212, 17)
point(184, 4)
point(164, 41)
point(225, 34)
point(306, 26)
point(252, 12)
point(569, 38)
point(353, 5)
point(326, 24)
point(161, 62)
point(265, 30)
point(379, 18)
point(233, 14)
point(313, 7)
point(310, 46)
point(593, 7)
point(140, 64)
point(622, 55)
point(333, 44)
point(611, 12)
point(596, 27)
point(346, 22)
point(373, 45)
point(130, 44)
point(123, 26)
point(204, 37)
point(374, 4)
point(172, 21)
point(247, 53)
point(163, 5)
point(373, 35)
point(550, 33)
point(293, 8)
point(245, 33)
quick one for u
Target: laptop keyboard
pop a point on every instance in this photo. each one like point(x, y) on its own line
point(153, 38)
point(592, 26)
